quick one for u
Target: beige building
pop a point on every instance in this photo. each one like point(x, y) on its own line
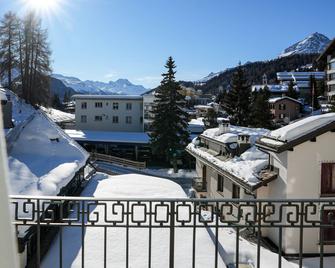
point(284, 109)
point(122, 113)
point(327, 62)
point(296, 161)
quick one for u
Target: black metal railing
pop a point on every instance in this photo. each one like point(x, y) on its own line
point(306, 227)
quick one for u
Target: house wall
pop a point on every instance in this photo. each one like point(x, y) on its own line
point(300, 177)
point(291, 111)
point(107, 112)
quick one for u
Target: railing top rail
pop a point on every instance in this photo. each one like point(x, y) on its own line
point(207, 200)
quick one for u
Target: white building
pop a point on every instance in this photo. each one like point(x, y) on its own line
point(122, 113)
point(296, 161)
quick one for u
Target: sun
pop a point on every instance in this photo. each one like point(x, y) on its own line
point(43, 7)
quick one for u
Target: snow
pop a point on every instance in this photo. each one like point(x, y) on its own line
point(3, 96)
point(246, 167)
point(196, 125)
point(274, 100)
point(57, 115)
point(108, 97)
point(132, 186)
point(328, 262)
point(254, 133)
point(314, 43)
point(108, 136)
point(120, 86)
point(302, 127)
point(271, 88)
point(39, 165)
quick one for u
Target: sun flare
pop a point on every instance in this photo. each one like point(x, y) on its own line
point(43, 7)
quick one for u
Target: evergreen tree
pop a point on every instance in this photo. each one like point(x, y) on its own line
point(56, 103)
point(313, 93)
point(260, 110)
point(9, 29)
point(169, 128)
point(291, 92)
point(67, 96)
point(237, 101)
point(34, 61)
point(210, 119)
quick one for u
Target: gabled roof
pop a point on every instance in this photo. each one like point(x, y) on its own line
point(287, 137)
point(274, 100)
point(328, 50)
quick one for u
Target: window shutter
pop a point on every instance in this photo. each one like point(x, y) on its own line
point(327, 178)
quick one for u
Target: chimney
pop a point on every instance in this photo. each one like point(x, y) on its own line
point(243, 141)
point(224, 126)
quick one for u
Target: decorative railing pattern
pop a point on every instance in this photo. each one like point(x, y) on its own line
point(173, 214)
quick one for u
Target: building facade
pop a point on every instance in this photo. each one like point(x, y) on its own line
point(327, 62)
point(284, 109)
point(109, 113)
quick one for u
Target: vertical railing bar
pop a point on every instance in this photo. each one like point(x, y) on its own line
point(280, 253)
point(60, 247)
point(38, 254)
point(105, 246)
point(237, 249)
point(216, 234)
point(194, 233)
point(301, 238)
point(127, 235)
point(150, 233)
point(172, 226)
point(259, 218)
point(321, 240)
point(82, 234)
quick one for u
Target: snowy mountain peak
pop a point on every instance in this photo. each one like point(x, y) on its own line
point(120, 86)
point(314, 43)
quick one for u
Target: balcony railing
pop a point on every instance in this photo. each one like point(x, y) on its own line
point(185, 223)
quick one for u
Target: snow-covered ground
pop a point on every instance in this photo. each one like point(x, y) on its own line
point(328, 262)
point(57, 115)
point(43, 159)
point(132, 186)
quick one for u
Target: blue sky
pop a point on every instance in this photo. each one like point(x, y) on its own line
point(110, 39)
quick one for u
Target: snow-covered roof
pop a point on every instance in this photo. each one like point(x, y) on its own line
point(43, 159)
point(234, 131)
point(108, 97)
point(276, 99)
point(108, 136)
point(246, 167)
point(196, 125)
point(203, 107)
point(132, 186)
point(272, 88)
point(290, 134)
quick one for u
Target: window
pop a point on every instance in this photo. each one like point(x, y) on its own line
point(115, 106)
point(115, 119)
point(128, 106)
point(328, 233)
point(281, 116)
point(98, 105)
point(83, 119)
point(282, 106)
point(141, 119)
point(98, 118)
point(84, 105)
point(220, 183)
point(128, 119)
point(236, 191)
point(328, 179)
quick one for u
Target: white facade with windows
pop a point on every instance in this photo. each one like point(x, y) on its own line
point(109, 113)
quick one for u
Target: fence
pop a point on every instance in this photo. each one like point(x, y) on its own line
point(292, 224)
point(118, 160)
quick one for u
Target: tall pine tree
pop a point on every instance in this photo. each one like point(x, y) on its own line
point(291, 92)
point(237, 101)
point(260, 111)
point(169, 129)
point(9, 31)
